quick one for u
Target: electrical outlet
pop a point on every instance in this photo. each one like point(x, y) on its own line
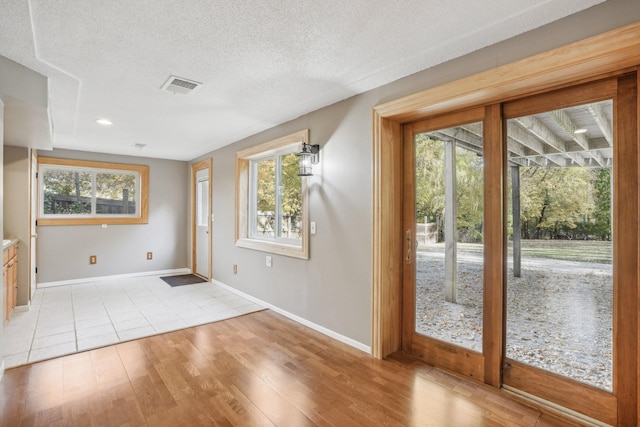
point(93, 259)
point(268, 261)
point(149, 255)
point(235, 268)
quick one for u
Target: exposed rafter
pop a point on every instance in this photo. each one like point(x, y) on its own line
point(445, 136)
point(597, 112)
point(515, 148)
point(597, 156)
point(526, 138)
point(562, 118)
point(537, 128)
point(542, 140)
point(459, 133)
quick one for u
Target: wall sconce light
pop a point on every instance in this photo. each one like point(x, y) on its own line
point(306, 158)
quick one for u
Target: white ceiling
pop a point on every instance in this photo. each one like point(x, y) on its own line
point(261, 62)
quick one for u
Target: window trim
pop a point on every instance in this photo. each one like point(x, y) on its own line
point(141, 218)
point(243, 174)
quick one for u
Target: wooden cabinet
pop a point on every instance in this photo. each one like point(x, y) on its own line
point(10, 280)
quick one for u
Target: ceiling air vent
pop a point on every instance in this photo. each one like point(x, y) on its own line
point(179, 85)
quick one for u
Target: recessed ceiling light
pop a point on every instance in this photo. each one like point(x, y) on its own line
point(139, 146)
point(578, 131)
point(104, 122)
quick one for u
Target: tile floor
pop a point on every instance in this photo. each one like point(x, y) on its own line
point(74, 318)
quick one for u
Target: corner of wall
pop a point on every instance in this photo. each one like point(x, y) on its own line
point(1, 226)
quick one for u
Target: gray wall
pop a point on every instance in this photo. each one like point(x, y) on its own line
point(63, 251)
point(333, 287)
point(17, 213)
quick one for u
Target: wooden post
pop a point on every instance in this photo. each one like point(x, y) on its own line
point(517, 235)
point(450, 249)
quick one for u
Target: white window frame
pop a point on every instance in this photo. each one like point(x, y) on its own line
point(253, 209)
point(141, 174)
point(246, 164)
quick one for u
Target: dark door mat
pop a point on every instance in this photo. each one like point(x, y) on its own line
point(183, 279)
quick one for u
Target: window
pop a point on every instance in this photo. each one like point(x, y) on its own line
point(271, 202)
point(83, 192)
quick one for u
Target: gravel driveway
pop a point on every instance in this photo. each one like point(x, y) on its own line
point(559, 315)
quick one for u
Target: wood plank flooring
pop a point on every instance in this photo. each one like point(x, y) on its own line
point(260, 369)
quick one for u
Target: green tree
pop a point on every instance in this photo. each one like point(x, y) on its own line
point(602, 195)
point(291, 186)
point(429, 170)
point(66, 192)
point(554, 200)
point(266, 196)
point(469, 195)
point(112, 185)
point(429, 165)
point(285, 189)
point(290, 197)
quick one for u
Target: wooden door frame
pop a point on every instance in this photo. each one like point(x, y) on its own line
point(204, 164)
point(33, 227)
point(607, 54)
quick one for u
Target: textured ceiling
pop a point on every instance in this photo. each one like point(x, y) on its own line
point(261, 62)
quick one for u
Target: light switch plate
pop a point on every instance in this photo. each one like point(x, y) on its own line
point(268, 261)
point(313, 227)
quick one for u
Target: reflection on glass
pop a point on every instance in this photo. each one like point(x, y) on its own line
point(559, 278)
point(449, 234)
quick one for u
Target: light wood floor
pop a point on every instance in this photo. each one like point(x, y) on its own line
point(260, 369)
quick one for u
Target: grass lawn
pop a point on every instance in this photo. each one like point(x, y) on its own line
point(569, 250)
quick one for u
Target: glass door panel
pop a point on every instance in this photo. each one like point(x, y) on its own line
point(559, 274)
point(449, 235)
point(202, 223)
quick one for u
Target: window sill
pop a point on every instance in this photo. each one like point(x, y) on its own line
point(91, 221)
point(273, 247)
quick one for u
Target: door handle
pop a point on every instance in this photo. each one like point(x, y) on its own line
point(409, 239)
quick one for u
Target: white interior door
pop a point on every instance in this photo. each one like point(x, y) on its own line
point(202, 223)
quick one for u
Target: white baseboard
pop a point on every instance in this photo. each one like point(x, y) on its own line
point(116, 276)
point(305, 322)
point(1, 369)
point(19, 308)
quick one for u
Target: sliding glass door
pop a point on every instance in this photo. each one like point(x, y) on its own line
point(521, 249)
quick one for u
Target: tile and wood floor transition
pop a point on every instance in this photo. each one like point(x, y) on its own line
point(67, 319)
point(259, 369)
